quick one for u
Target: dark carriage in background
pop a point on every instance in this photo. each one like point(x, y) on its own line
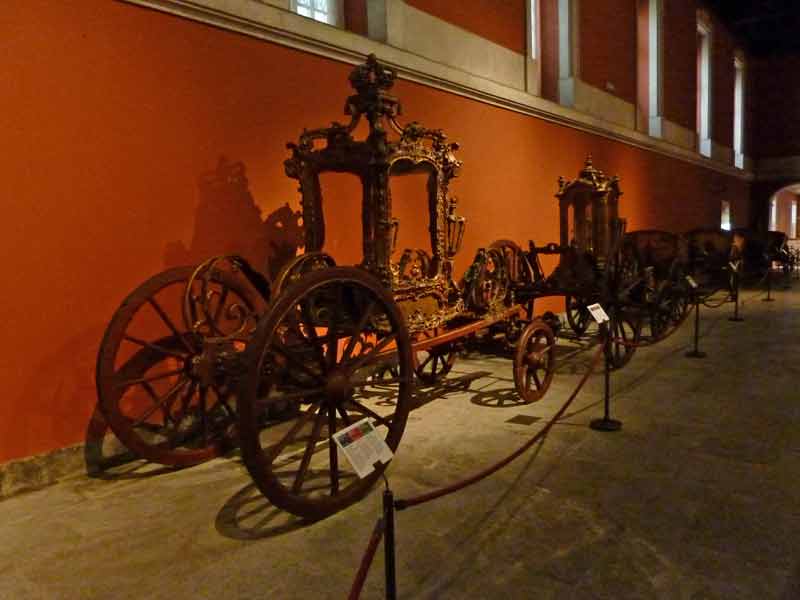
point(655, 264)
point(589, 266)
point(712, 258)
point(761, 251)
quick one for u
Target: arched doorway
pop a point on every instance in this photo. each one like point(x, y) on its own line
point(783, 211)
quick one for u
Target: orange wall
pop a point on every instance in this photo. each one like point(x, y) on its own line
point(113, 113)
point(608, 46)
point(501, 21)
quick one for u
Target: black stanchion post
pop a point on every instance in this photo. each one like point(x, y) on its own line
point(769, 297)
point(736, 317)
point(696, 353)
point(388, 544)
point(606, 423)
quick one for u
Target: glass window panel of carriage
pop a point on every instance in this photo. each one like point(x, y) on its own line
point(410, 190)
point(341, 215)
point(725, 220)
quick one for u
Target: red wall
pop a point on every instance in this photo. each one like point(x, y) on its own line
point(501, 21)
point(608, 46)
point(680, 56)
point(115, 110)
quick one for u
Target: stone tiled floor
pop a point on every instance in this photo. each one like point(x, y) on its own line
point(696, 497)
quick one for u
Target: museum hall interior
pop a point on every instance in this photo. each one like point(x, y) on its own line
point(400, 299)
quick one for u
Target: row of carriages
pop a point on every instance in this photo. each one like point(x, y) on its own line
point(201, 359)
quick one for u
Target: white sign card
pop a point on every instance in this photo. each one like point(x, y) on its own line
point(598, 313)
point(691, 281)
point(363, 446)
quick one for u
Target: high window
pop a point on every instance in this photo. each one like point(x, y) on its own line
point(324, 11)
point(649, 65)
point(793, 223)
point(533, 70)
point(704, 85)
point(533, 29)
point(738, 112)
point(725, 220)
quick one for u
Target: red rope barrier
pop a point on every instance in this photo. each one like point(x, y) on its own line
point(402, 504)
point(366, 560)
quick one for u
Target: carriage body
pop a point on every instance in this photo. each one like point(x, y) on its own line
point(421, 282)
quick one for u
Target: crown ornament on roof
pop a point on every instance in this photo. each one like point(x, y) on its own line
point(372, 82)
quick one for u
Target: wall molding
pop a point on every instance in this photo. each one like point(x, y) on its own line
point(267, 22)
point(611, 108)
point(785, 167)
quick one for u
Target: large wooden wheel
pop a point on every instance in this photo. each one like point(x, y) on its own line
point(578, 315)
point(625, 329)
point(321, 347)
point(433, 365)
point(534, 361)
point(161, 387)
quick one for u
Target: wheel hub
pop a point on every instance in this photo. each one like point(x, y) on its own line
point(338, 388)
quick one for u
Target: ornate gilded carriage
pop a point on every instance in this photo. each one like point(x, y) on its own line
point(199, 358)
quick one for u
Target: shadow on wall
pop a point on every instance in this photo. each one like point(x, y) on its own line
point(228, 221)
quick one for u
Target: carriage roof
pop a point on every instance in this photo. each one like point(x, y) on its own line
point(388, 149)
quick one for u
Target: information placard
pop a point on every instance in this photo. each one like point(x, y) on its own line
point(363, 446)
point(598, 313)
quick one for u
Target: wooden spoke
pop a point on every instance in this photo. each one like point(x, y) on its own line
point(345, 417)
point(369, 412)
point(292, 396)
point(359, 328)
point(333, 327)
point(168, 322)
point(150, 378)
point(274, 451)
point(309, 451)
point(535, 376)
point(161, 402)
point(369, 356)
point(155, 347)
point(427, 360)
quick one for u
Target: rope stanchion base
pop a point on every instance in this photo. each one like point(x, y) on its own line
point(605, 424)
point(695, 354)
